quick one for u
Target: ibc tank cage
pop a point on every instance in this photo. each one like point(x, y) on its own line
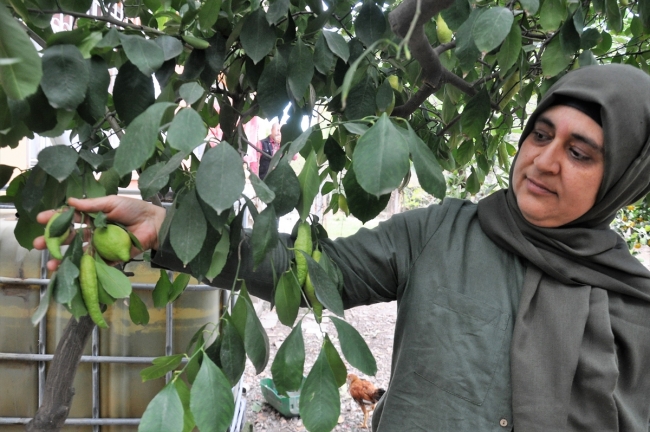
point(109, 393)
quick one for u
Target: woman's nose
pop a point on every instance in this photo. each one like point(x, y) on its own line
point(548, 158)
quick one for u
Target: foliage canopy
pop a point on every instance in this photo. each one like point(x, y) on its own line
point(386, 86)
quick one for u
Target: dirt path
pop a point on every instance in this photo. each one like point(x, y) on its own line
point(376, 324)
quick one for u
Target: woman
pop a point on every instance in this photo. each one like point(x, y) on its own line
point(525, 310)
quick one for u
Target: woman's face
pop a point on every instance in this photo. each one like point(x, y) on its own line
point(559, 168)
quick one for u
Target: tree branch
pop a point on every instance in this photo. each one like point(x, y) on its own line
point(58, 394)
point(108, 19)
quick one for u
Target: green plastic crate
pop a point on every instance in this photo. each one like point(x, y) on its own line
point(288, 405)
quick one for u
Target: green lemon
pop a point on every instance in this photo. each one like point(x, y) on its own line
point(113, 243)
point(54, 243)
point(443, 32)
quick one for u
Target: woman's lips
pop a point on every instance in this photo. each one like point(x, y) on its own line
point(538, 187)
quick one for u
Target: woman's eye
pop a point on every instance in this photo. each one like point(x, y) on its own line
point(578, 155)
point(539, 136)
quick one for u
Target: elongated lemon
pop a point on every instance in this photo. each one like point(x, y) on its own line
point(89, 290)
point(303, 243)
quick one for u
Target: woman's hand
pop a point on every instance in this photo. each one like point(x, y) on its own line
point(141, 218)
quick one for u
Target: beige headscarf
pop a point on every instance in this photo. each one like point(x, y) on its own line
point(580, 354)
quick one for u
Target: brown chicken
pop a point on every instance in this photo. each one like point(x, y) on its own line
point(365, 394)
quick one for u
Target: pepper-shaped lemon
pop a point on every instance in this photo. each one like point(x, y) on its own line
point(303, 243)
point(54, 243)
point(443, 32)
point(112, 243)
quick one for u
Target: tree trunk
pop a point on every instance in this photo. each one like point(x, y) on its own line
point(57, 398)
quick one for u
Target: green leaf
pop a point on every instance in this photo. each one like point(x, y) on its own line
point(187, 130)
point(66, 281)
point(473, 184)
point(361, 102)
point(171, 46)
point(133, 92)
point(381, 158)
point(6, 172)
point(285, 185)
point(277, 10)
point(178, 286)
point(492, 27)
point(271, 88)
point(530, 6)
point(151, 180)
point(287, 298)
point(184, 394)
point(65, 76)
point(21, 79)
point(552, 13)
point(146, 54)
point(554, 59)
point(510, 49)
point(212, 403)
point(363, 205)
point(161, 291)
point(220, 179)
point(354, 348)
point(139, 142)
point(289, 363)
point(323, 57)
point(81, 6)
point(569, 38)
point(464, 153)
point(456, 14)
point(320, 404)
point(219, 257)
point(209, 13)
point(93, 108)
point(233, 353)
point(59, 161)
point(261, 189)
point(466, 49)
point(114, 281)
point(84, 187)
point(370, 24)
point(138, 310)
point(614, 18)
point(475, 114)
point(336, 364)
point(265, 234)
point(164, 413)
point(257, 37)
point(337, 44)
point(301, 69)
point(426, 165)
point(587, 58)
point(326, 289)
point(188, 228)
point(297, 144)
point(309, 185)
point(644, 12)
point(385, 96)
point(335, 154)
point(156, 176)
point(40, 312)
point(191, 92)
point(256, 340)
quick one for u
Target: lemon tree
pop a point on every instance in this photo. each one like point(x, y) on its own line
point(393, 90)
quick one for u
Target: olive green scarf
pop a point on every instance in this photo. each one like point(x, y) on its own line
point(581, 346)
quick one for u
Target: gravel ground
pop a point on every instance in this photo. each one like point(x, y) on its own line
point(376, 324)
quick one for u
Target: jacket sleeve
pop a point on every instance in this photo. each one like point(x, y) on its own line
point(374, 262)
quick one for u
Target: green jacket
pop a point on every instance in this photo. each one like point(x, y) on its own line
point(457, 295)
